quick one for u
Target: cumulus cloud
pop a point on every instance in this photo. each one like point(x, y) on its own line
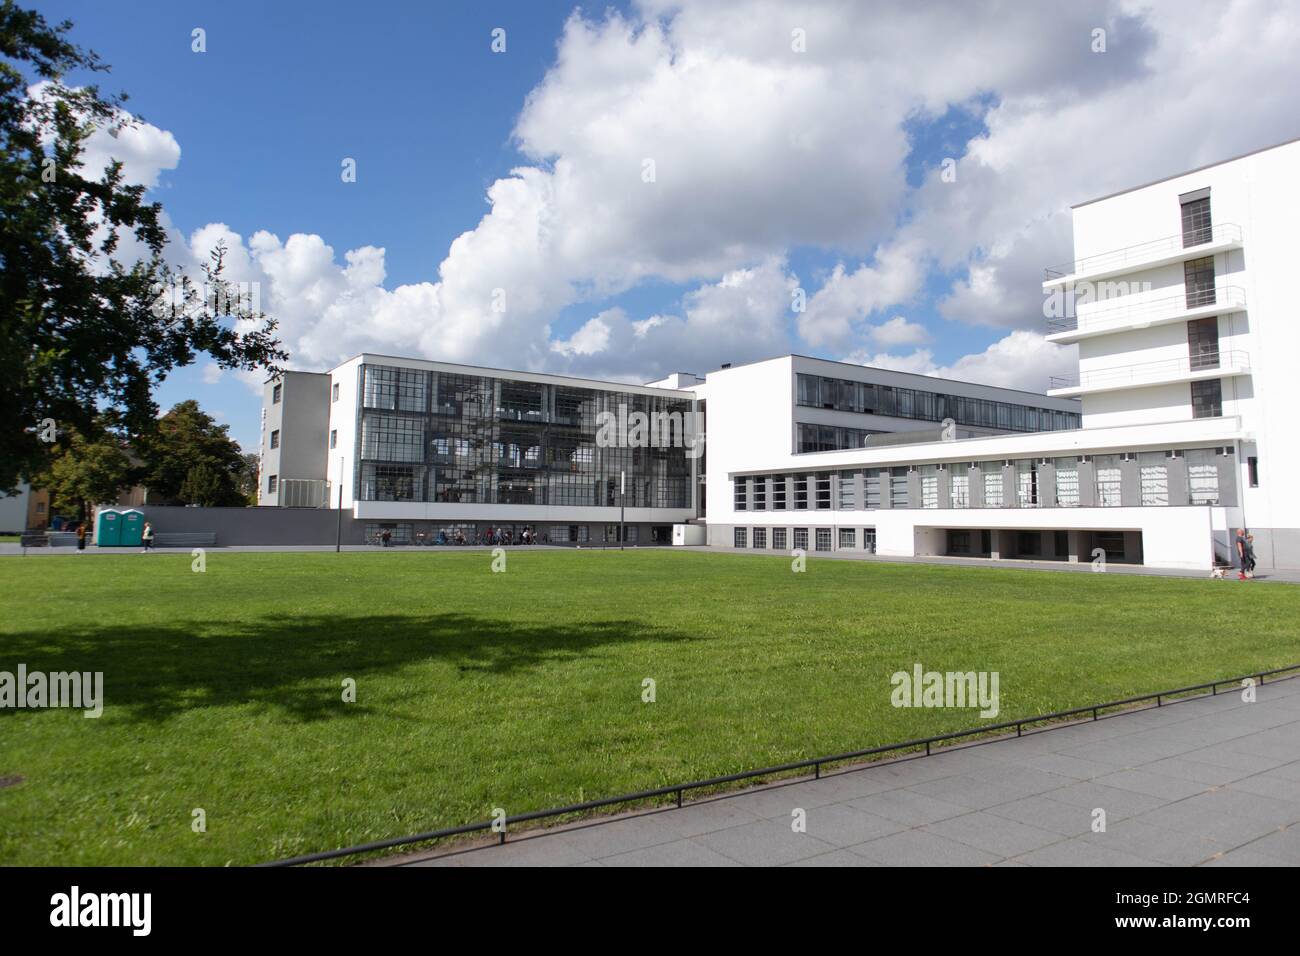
point(691, 143)
point(1021, 359)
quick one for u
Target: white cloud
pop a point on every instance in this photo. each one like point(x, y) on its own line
point(1021, 359)
point(211, 373)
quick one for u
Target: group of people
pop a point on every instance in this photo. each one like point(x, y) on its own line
point(83, 534)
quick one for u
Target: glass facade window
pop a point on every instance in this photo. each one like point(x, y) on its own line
point(1026, 483)
point(759, 488)
point(760, 538)
point(823, 539)
point(869, 540)
point(848, 538)
point(801, 539)
point(1106, 469)
point(778, 539)
point(275, 438)
point(1067, 482)
point(816, 391)
point(742, 494)
point(831, 437)
point(276, 392)
point(1202, 476)
point(1207, 398)
point(959, 487)
point(871, 488)
point(898, 487)
point(1198, 279)
point(1197, 225)
point(991, 474)
point(468, 438)
point(1153, 474)
point(740, 537)
point(1203, 343)
point(929, 486)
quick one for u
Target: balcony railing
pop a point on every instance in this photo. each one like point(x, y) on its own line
point(1121, 311)
point(1144, 372)
point(1144, 252)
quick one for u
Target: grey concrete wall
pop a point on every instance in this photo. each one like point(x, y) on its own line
point(258, 526)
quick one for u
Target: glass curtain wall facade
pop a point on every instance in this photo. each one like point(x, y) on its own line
point(431, 436)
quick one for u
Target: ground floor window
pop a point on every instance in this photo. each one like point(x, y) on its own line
point(778, 539)
point(1111, 542)
point(760, 537)
point(1031, 543)
point(848, 537)
point(399, 532)
point(959, 542)
point(801, 539)
point(823, 539)
point(740, 537)
point(869, 540)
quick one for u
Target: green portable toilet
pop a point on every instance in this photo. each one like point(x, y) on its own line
point(108, 528)
point(132, 529)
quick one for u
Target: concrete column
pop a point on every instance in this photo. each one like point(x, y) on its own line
point(886, 488)
point(1087, 485)
point(976, 487)
point(1047, 486)
point(1177, 480)
point(945, 488)
point(1130, 484)
point(1010, 498)
point(1074, 546)
point(913, 489)
point(1229, 496)
point(860, 490)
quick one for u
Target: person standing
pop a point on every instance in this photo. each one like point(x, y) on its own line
point(147, 537)
point(81, 537)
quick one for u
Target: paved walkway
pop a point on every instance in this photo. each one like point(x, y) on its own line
point(1213, 781)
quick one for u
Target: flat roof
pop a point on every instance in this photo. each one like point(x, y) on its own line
point(1187, 172)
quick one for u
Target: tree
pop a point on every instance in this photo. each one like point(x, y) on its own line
point(87, 337)
point(86, 472)
point(248, 478)
point(190, 459)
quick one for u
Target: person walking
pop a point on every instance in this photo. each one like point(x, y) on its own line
point(1250, 555)
point(1241, 553)
point(146, 537)
point(81, 538)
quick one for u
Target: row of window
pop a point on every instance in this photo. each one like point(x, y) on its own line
point(758, 538)
point(817, 391)
point(1018, 483)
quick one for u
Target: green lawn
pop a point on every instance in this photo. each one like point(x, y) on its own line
point(522, 690)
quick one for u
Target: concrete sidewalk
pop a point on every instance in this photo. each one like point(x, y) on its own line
point(1213, 781)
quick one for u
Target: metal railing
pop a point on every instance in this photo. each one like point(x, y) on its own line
point(1132, 256)
point(1146, 372)
point(1121, 312)
point(815, 764)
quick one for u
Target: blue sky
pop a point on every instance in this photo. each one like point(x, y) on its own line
point(777, 167)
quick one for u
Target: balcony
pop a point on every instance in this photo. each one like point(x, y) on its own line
point(1122, 314)
point(1147, 374)
point(1146, 255)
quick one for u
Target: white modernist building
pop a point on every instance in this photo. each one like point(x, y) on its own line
point(1189, 349)
point(1176, 430)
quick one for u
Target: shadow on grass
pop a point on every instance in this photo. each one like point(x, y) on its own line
point(297, 664)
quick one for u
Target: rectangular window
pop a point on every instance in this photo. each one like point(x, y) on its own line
point(760, 493)
point(823, 539)
point(1203, 343)
point(1153, 473)
point(1026, 483)
point(1107, 473)
point(1197, 227)
point(392, 438)
point(929, 486)
point(778, 539)
point(823, 490)
point(801, 539)
point(869, 540)
point(276, 392)
point(740, 537)
point(992, 475)
point(959, 487)
point(742, 491)
point(334, 392)
point(1067, 482)
point(848, 538)
point(778, 493)
point(898, 487)
point(275, 438)
point(334, 438)
point(848, 488)
point(1198, 279)
point(760, 538)
point(1207, 398)
point(1030, 542)
point(800, 492)
point(1202, 476)
point(272, 483)
point(871, 486)
point(959, 542)
point(1252, 470)
point(1111, 542)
